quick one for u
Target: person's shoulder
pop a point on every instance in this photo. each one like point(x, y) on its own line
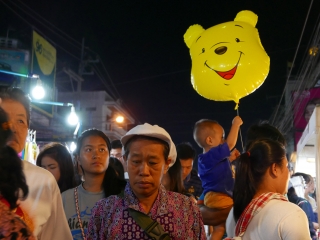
point(29, 167)
point(109, 201)
point(194, 172)
point(37, 174)
point(180, 199)
point(109, 204)
point(284, 207)
point(221, 147)
point(69, 192)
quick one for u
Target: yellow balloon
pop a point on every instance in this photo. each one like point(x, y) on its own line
point(228, 60)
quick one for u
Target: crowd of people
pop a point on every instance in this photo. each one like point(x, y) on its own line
point(143, 186)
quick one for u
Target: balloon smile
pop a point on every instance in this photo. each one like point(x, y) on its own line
point(228, 75)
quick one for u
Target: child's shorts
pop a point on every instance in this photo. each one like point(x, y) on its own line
point(217, 200)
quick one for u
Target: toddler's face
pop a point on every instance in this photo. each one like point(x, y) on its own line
point(217, 136)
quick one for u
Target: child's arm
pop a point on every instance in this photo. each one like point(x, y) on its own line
point(234, 155)
point(233, 134)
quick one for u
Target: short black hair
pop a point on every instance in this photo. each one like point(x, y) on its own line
point(264, 130)
point(116, 144)
point(185, 151)
point(16, 94)
point(118, 167)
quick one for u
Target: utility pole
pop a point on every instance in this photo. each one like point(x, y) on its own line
point(83, 64)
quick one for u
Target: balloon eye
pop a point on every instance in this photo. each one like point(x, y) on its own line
point(221, 50)
point(237, 40)
point(203, 50)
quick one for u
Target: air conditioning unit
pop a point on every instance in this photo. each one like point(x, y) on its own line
point(8, 43)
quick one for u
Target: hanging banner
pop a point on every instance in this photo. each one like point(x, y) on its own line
point(304, 104)
point(13, 61)
point(44, 57)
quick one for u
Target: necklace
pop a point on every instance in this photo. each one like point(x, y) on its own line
point(78, 212)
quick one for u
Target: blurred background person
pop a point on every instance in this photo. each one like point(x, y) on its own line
point(56, 158)
point(172, 179)
point(118, 167)
point(295, 195)
point(116, 152)
point(191, 181)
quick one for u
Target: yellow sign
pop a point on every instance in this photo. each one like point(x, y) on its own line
point(46, 54)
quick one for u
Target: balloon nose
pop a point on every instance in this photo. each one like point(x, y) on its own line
point(221, 50)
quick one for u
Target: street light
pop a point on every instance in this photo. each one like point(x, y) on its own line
point(119, 119)
point(73, 146)
point(38, 91)
point(73, 118)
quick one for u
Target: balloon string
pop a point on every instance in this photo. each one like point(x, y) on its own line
point(240, 133)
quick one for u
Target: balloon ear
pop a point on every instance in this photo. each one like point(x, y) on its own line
point(192, 34)
point(247, 17)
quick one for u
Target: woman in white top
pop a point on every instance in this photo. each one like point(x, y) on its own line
point(261, 181)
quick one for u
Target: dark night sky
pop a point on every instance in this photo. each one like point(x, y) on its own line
point(141, 44)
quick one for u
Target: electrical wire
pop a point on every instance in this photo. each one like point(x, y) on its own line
point(294, 58)
point(44, 20)
point(77, 58)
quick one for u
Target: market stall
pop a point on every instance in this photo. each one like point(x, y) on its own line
point(308, 150)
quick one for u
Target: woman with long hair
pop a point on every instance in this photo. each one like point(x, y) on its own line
point(56, 158)
point(260, 210)
point(100, 180)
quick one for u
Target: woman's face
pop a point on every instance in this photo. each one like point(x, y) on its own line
point(52, 166)
point(310, 186)
point(94, 155)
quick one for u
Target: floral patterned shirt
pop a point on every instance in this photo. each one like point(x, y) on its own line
point(178, 215)
point(13, 226)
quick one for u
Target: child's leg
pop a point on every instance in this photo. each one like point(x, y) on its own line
point(218, 232)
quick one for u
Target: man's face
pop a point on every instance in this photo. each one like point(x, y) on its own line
point(116, 153)
point(186, 167)
point(19, 125)
point(146, 165)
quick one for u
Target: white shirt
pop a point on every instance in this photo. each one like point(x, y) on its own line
point(44, 204)
point(277, 220)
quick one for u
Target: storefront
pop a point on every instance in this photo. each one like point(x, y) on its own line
point(308, 150)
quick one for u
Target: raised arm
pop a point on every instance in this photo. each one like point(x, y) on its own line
point(233, 134)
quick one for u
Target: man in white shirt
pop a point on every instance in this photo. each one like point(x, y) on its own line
point(43, 204)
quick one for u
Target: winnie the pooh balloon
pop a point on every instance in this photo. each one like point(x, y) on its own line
point(228, 60)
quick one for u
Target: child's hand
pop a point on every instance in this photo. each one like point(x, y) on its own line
point(234, 155)
point(237, 121)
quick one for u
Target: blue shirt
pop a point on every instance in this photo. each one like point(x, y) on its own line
point(215, 170)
